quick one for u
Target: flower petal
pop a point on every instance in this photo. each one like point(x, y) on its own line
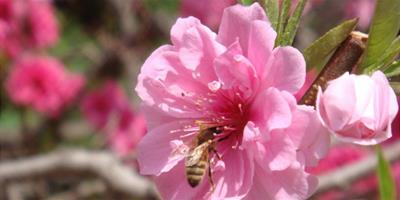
point(336, 110)
point(261, 42)
point(280, 152)
point(174, 185)
point(285, 70)
point(161, 148)
point(198, 50)
point(290, 184)
point(236, 23)
point(236, 180)
point(270, 110)
point(180, 27)
point(309, 136)
point(234, 70)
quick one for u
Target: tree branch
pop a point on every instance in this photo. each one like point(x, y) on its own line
point(344, 59)
point(119, 176)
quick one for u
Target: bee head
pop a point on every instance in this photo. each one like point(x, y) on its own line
point(217, 129)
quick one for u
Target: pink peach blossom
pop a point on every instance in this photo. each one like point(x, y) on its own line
point(358, 108)
point(363, 9)
point(98, 105)
point(108, 109)
point(43, 83)
point(130, 128)
point(238, 81)
point(26, 24)
point(42, 23)
point(209, 12)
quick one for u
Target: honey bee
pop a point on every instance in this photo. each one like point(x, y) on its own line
point(198, 158)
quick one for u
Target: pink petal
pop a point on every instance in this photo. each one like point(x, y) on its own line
point(286, 70)
point(233, 69)
point(158, 151)
point(162, 61)
point(236, 23)
point(338, 108)
point(308, 135)
point(261, 42)
point(290, 184)
point(270, 110)
point(174, 185)
point(279, 153)
point(198, 51)
point(180, 27)
point(364, 107)
point(236, 180)
point(384, 94)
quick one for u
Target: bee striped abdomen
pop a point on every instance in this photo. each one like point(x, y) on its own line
point(195, 173)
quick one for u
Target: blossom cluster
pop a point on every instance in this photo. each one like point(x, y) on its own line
point(35, 80)
point(237, 90)
point(236, 80)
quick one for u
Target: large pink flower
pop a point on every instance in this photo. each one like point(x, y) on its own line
point(43, 83)
point(235, 80)
point(358, 109)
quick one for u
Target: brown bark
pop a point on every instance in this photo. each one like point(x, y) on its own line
point(344, 59)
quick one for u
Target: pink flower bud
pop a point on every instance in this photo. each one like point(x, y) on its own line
point(358, 108)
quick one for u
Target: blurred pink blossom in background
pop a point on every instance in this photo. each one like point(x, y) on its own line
point(26, 24)
point(43, 83)
point(98, 105)
point(209, 12)
point(345, 154)
point(129, 129)
point(362, 116)
point(234, 80)
point(363, 9)
point(108, 108)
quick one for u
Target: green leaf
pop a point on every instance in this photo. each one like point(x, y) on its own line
point(384, 29)
point(393, 69)
point(247, 2)
point(387, 58)
point(282, 20)
point(293, 24)
point(320, 49)
point(272, 10)
point(386, 183)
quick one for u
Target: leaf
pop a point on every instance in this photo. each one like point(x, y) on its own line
point(272, 10)
point(387, 58)
point(247, 2)
point(393, 69)
point(384, 28)
point(386, 183)
point(282, 20)
point(317, 52)
point(293, 24)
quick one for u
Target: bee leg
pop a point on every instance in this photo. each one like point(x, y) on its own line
point(217, 154)
point(210, 177)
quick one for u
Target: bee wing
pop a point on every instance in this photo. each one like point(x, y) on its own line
point(196, 154)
